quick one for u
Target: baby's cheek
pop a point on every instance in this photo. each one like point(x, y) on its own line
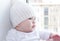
point(29, 24)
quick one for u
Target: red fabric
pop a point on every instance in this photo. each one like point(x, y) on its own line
point(55, 38)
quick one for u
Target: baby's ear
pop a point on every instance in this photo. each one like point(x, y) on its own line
point(17, 25)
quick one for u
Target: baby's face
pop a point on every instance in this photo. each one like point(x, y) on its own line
point(28, 25)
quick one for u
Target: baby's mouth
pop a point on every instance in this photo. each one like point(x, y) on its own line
point(33, 26)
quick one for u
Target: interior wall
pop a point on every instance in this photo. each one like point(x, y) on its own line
point(4, 18)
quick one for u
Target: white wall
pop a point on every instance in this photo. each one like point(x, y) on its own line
point(4, 18)
point(51, 1)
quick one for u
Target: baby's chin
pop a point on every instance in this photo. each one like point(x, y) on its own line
point(30, 31)
point(33, 29)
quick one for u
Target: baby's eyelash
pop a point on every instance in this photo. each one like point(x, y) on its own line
point(30, 18)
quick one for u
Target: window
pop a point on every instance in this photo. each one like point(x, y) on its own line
point(45, 20)
point(48, 14)
point(45, 11)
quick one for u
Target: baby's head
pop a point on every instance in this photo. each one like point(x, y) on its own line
point(22, 17)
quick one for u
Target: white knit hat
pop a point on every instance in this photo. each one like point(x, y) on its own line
point(19, 12)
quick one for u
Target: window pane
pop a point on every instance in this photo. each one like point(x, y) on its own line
point(45, 20)
point(46, 11)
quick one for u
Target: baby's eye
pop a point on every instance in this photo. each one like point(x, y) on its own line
point(30, 18)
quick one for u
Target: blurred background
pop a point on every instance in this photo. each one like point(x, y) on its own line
point(47, 13)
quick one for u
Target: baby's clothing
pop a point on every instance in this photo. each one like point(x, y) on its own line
point(14, 35)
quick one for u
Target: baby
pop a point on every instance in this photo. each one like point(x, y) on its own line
point(23, 21)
